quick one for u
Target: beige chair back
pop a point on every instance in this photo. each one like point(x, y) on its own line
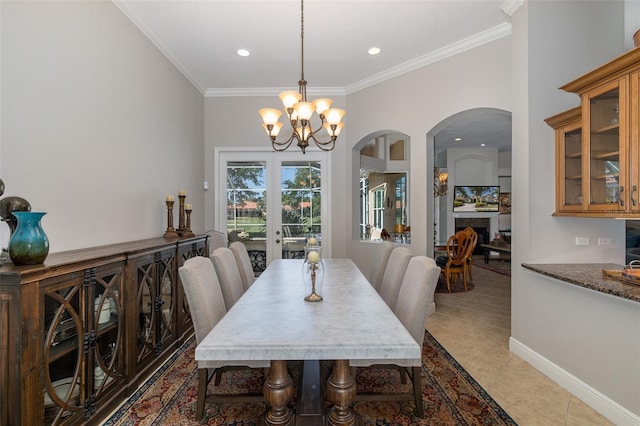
point(383, 250)
point(416, 293)
point(393, 273)
point(216, 239)
point(204, 296)
point(228, 274)
point(244, 263)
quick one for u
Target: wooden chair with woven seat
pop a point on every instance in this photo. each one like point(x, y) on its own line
point(206, 303)
point(474, 242)
point(412, 309)
point(459, 249)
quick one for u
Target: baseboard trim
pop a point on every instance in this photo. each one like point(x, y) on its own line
point(604, 405)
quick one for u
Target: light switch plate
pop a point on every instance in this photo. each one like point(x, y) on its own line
point(582, 241)
point(604, 241)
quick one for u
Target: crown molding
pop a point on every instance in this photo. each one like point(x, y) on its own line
point(509, 7)
point(153, 36)
point(453, 49)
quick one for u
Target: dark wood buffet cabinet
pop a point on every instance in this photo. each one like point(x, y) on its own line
point(81, 332)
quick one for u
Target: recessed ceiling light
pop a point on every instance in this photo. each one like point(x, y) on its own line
point(483, 144)
point(457, 139)
point(373, 51)
point(243, 52)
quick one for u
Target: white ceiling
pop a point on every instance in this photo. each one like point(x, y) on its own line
point(201, 38)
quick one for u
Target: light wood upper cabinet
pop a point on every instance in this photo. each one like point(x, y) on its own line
point(597, 144)
point(569, 175)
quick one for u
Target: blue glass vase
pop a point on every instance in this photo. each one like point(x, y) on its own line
point(28, 244)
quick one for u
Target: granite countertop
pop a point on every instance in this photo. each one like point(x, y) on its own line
point(588, 275)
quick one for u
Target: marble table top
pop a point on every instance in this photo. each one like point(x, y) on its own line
point(272, 321)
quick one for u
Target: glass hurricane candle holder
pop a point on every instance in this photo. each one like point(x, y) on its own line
point(313, 273)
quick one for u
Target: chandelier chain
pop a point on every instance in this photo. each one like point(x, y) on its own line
point(299, 112)
point(302, 43)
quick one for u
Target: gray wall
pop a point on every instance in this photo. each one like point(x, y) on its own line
point(97, 125)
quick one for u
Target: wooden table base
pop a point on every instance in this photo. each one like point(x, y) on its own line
point(341, 391)
point(278, 389)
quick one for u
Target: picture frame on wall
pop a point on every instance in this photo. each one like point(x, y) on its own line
point(505, 203)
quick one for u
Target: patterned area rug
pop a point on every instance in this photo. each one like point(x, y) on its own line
point(450, 395)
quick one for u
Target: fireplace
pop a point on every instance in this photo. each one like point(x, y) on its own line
point(481, 225)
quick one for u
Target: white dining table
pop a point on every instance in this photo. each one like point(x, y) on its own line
point(273, 322)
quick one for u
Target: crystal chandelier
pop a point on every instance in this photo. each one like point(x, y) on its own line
point(299, 111)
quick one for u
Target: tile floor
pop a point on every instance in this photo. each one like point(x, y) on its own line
point(475, 328)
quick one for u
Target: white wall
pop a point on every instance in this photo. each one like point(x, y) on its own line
point(233, 122)
point(470, 166)
point(414, 104)
point(585, 340)
point(97, 125)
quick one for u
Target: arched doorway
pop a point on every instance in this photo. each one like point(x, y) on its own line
point(473, 147)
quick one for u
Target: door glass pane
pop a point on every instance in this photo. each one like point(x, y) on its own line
point(300, 184)
point(604, 152)
point(247, 209)
point(573, 167)
point(378, 207)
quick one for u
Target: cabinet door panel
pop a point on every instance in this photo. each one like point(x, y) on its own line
point(634, 136)
point(606, 160)
point(570, 176)
point(146, 313)
point(108, 368)
point(64, 324)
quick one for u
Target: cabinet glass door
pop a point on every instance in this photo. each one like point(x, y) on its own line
point(108, 362)
point(634, 124)
point(606, 159)
point(571, 168)
point(63, 350)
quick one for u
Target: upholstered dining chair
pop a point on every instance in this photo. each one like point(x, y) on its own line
point(474, 241)
point(207, 307)
point(244, 263)
point(459, 249)
point(381, 257)
point(393, 273)
point(412, 309)
point(216, 239)
point(228, 274)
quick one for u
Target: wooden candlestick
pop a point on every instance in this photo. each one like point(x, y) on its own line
point(181, 227)
point(187, 231)
point(171, 232)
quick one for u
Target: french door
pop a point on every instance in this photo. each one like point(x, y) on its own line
point(272, 201)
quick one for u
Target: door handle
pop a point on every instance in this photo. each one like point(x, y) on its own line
point(620, 197)
point(634, 202)
point(277, 241)
point(277, 232)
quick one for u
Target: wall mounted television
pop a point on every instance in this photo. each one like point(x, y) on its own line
point(476, 199)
